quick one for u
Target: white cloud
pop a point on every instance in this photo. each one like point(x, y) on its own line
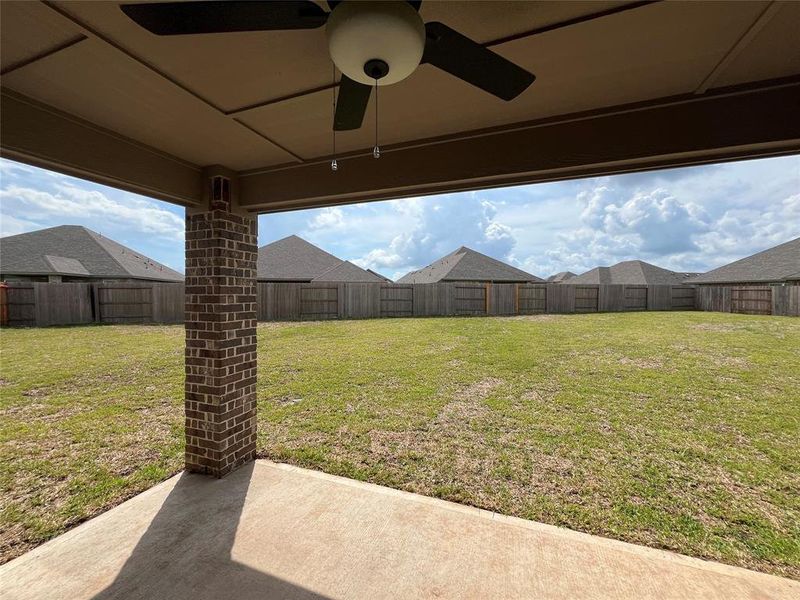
point(617, 224)
point(328, 218)
point(10, 225)
point(70, 202)
point(438, 226)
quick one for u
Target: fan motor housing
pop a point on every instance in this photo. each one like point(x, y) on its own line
point(362, 35)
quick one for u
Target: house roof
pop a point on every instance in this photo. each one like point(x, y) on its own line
point(630, 272)
point(294, 259)
point(561, 277)
point(77, 251)
point(466, 264)
point(781, 263)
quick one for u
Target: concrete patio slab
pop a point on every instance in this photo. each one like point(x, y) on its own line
point(275, 531)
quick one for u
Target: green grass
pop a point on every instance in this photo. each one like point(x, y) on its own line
point(674, 430)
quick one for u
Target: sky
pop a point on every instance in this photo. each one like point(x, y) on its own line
point(689, 219)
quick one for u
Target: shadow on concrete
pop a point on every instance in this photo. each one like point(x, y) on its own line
point(186, 550)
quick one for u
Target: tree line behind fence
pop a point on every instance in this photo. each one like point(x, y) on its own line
point(43, 304)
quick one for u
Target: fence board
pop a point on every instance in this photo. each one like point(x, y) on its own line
point(611, 298)
point(502, 299)
point(21, 305)
point(281, 301)
point(659, 297)
point(683, 297)
point(786, 301)
point(470, 299)
point(586, 298)
point(752, 300)
point(560, 298)
point(635, 297)
point(360, 300)
point(62, 304)
point(531, 299)
point(434, 299)
point(396, 300)
point(125, 303)
point(319, 302)
point(714, 298)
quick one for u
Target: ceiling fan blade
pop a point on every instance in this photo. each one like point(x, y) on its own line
point(351, 104)
point(181, 18)
point(414, 3)
point(455, 53)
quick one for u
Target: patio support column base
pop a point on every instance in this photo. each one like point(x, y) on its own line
point(220, 315)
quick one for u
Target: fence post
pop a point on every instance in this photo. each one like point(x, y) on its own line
point(3, 303)
point(96, 303)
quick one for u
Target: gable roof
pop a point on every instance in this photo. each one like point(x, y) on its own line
point(630, 272)
point(561, 277)
point(346, 271)
point(294, 259)
point(77, 251)
point(466, 264)
point(781, 263)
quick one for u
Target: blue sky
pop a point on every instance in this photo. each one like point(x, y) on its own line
point(690, 219)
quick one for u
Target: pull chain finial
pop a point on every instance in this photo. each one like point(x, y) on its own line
point(334, 164)
point(376, 150)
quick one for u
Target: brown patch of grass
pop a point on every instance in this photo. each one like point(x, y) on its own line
point(540, 317)
point(642, 363)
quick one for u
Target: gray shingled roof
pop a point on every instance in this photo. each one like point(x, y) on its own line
point(561, 277)
point(467, 265)
point(346, 271)
point(781, 263)
point(294, 259)
point(630, 272)
point(77, 251)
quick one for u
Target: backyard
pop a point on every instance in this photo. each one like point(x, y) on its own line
point(676, 430)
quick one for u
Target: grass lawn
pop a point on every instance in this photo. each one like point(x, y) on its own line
point(674, 430)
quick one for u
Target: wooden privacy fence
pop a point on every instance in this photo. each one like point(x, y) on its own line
point(42, 304)
point(314, 301)
point(752, 300)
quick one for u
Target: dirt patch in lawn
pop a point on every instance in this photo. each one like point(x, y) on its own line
point(544, 317)
point(642, 363)
point(717, 327)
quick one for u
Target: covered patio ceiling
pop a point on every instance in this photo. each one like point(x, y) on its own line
point(620, 86)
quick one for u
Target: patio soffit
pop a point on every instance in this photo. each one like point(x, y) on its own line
point(261, 103)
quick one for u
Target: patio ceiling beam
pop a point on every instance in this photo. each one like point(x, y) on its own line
point(687, 130)
point(45, 137)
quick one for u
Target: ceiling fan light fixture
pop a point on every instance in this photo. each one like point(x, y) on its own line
point(362, 33)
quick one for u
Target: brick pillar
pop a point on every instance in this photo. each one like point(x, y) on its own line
point(221, 251)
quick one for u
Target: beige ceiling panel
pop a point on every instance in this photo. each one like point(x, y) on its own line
point(241, 69)
point(774, 51)
point(660, 50)
point(29, 29)
point(486, 21)
point(304, 125)
point(230, 70)
point(97, 82)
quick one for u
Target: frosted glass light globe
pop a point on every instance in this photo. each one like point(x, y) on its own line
point(389, 31)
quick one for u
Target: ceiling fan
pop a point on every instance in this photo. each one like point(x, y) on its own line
point(371, 43)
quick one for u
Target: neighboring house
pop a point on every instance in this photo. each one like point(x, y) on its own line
point(561, 277)
point(630, 272)
point(294, 259)
point(468, 265)
point(74, 253)
point(776, 266)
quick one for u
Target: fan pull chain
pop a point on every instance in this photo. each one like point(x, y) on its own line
point(334, 164)
point(376, 150)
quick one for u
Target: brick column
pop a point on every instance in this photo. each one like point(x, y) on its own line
point(221, 251)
